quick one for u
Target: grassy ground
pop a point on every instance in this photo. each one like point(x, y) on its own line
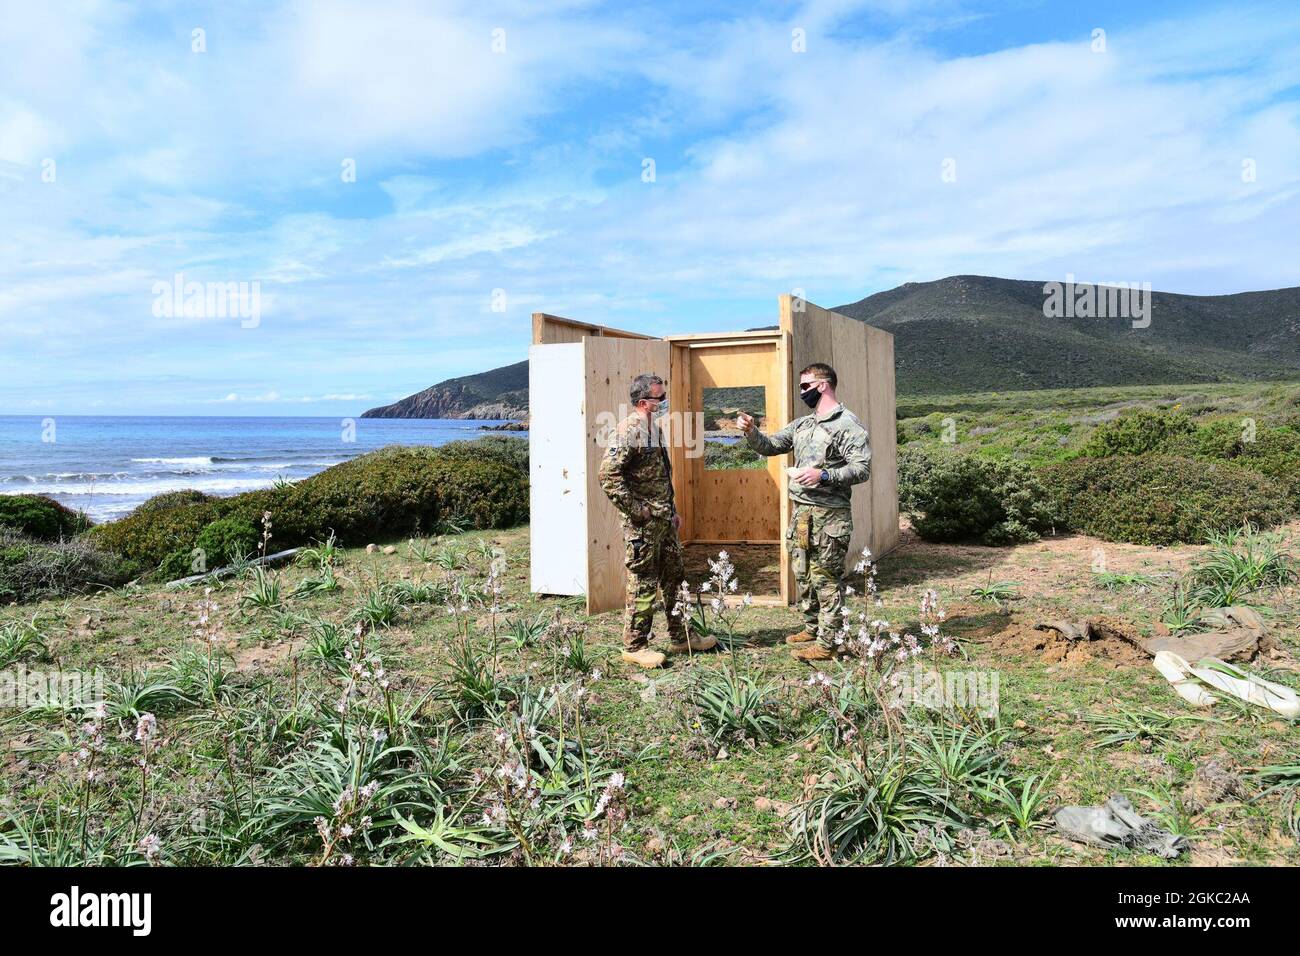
point(689, 796)
point(1042, 427)
point(251, 746)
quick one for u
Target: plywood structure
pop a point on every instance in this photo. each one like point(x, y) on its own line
point(863, 358)
point(576, 534)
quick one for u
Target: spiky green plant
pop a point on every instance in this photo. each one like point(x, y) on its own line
point(1124, 724)
point(733, 705)
point(885, 809)
point(1023, 800)
point(996, 592)
point(264, 591)
point(22, 640)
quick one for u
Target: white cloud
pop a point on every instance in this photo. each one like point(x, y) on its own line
point(476, 171)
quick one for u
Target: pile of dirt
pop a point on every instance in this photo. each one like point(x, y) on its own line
point(1112, 641)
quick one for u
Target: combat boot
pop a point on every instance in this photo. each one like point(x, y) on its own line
point(815, 652)
point(695, 644)
point(644, 657)
point(803, 637)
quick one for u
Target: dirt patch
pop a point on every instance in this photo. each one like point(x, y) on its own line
point(1110, 644)
point(259, 658)
point(758, 566)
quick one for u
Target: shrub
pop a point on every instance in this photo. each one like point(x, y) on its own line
point(31, 569)
point(1160, 499)
point(173, 499)
point(499, 448)
point(1271, 450)
point(720, 457)
point(39, 517)
point(222, 542)
point(951, 496)
point(226, 540)
point(1138, 433)
point(389, 493)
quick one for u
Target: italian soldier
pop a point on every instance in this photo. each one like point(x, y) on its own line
point(637, 476)
point(832, 454)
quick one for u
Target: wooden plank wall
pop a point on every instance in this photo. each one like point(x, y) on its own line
point(555, 329)
point(610, 364)
point(863, 359)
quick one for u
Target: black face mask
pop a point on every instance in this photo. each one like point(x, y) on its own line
point(811, 397)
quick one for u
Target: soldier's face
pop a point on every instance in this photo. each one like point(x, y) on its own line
point(657, 401)
point(810, 389)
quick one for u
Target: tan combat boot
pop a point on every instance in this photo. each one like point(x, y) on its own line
point(803, 637)
point(815, 652)
point(644, 657)
point(694, 645)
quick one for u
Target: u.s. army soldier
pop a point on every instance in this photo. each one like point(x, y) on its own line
point(637, 476)
point(833, 453)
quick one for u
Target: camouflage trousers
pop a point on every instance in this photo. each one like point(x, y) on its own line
point(818, 542)
point(654, 567)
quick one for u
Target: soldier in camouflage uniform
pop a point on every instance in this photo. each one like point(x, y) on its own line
point(832, 453)
point(637, 476)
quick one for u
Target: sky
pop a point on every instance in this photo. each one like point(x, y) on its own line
point(400, 185)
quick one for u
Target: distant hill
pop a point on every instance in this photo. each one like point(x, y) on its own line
point(978, 333)
point(500, 393)
point(975, 333)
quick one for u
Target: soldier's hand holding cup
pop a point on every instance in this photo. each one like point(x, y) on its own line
point(745, 422)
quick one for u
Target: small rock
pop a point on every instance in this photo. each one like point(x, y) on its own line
point(1020, 725)
point(763, 805)
point(390, 549)
point(371, 548)
point(654, 846)
point(724, 803)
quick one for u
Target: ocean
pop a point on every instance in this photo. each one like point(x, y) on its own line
point(106, 466)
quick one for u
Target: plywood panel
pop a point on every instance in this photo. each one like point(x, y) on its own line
point(850, 349)
point(609, 365)
point(685, 438)
point(557, 466)
point(555, 329)
point(741, 505)
point(737, 505)
point(862, 357)
point(884, 441)
point(810, 338)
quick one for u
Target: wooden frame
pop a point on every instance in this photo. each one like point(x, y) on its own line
point(576, 541)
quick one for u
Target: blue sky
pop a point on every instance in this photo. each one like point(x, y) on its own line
point(127, 157)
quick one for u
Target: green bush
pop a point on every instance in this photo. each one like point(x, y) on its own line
point(719, 456)
point(505, 449)
point(31, 569)
point(173, 499)
point(40, 517)
point(386, 494)
point(1138, 432)
point(1161, 499)
point(1271, 450)
point(226, 540)
point(952, 496)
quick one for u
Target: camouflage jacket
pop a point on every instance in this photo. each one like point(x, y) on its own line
point(836, 441)
point(635, 471)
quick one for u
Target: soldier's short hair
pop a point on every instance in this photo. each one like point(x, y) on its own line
point(641, 386)
point(822, 371)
